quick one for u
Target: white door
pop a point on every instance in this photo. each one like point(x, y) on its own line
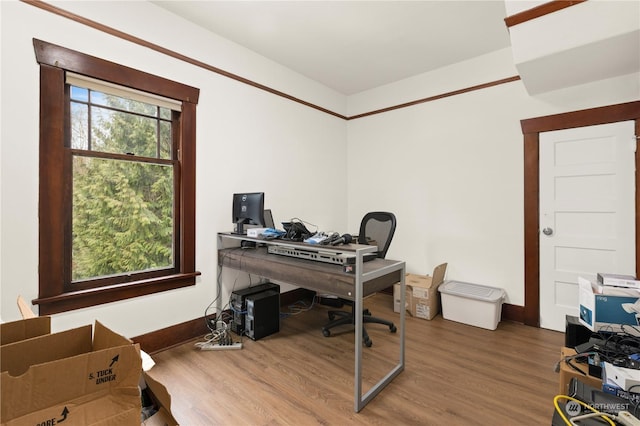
point(587, 212)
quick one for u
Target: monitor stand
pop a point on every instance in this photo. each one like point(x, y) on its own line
point(240, 228)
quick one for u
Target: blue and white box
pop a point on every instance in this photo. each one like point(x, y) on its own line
point(606, 312)
point(621, 381)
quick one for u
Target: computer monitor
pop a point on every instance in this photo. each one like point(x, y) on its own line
point(248, 208)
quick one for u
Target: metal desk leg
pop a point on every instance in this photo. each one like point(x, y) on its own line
point(358, 336)
point(360, 400)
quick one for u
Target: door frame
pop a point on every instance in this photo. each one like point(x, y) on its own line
point(531, 129)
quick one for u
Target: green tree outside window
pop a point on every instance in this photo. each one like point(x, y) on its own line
point(123, 214)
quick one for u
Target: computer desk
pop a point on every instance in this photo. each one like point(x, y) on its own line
point(368, 278)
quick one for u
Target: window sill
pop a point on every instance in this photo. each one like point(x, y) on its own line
point(96, 296)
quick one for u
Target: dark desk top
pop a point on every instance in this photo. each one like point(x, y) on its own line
point(319, 276)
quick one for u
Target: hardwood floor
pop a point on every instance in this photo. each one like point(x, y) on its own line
point(455, 374)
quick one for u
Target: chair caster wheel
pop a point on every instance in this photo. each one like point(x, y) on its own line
point(326, 333)
point(332, 316)
point(393, 328)
point(368, 343)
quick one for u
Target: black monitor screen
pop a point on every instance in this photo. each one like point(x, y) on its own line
point(248, 208)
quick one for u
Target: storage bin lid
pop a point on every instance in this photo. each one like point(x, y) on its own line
point(472, 291)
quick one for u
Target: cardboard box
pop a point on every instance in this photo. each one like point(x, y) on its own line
point(397, 300)
point(16, 331)
point(567, 373)
point(161, 399)
point(71, 377)
point(421, 293)
point(598, 311)
point(108, 410)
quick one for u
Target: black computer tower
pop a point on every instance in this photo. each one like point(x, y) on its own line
point(575, 333)
point(239, 305)
point(263, 314)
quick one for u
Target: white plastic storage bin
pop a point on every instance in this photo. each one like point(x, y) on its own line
point(472, 304)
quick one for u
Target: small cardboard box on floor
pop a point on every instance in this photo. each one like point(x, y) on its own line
point(421, 293)
point(80, 376)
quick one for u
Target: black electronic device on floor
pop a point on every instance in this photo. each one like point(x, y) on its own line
point(238, 304)
point(575, 333)
point(263, 314)
point(593, 397)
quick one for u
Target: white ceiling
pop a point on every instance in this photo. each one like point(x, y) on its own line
point(352, 46)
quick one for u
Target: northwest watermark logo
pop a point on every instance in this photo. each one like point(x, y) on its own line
point(573, 408)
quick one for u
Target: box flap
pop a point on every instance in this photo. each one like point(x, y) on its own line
point(103, 338)
point(439, 273)
point(24, 308)
point(16, 358)
point(422, 281)
point(63, 367)
point(159, 391)
point(163, 399)
point(23, 329)
point(426, 281)
point(161, 418)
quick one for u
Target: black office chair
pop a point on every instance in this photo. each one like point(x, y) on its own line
point(376, 228)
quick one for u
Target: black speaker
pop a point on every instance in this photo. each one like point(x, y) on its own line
point(575, 333)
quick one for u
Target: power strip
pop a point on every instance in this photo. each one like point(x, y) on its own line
point(219, 347)
point(627, 419)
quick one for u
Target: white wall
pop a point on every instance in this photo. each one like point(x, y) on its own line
point(247, 140)
point(452, 169)
point(559, 42)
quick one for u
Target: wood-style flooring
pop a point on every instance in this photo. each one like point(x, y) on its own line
point(455, 374)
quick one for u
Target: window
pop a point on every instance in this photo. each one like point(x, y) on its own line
point(117, 182)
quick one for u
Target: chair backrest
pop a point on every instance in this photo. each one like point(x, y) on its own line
point(378, 227)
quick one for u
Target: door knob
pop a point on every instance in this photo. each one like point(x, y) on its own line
point(547, 231)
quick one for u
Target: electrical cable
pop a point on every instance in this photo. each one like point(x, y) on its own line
point(297, 219)
point(297, 231)
point(221, 331)
point(637, 403)
point(633, 327)
point(567, 360)
point(605, 416)
point(615, 345)
point(298, 307)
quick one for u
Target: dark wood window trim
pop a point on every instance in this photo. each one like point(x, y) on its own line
point(538, 11)
point(179, 56)
point(54, 219)
point(531, 128)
